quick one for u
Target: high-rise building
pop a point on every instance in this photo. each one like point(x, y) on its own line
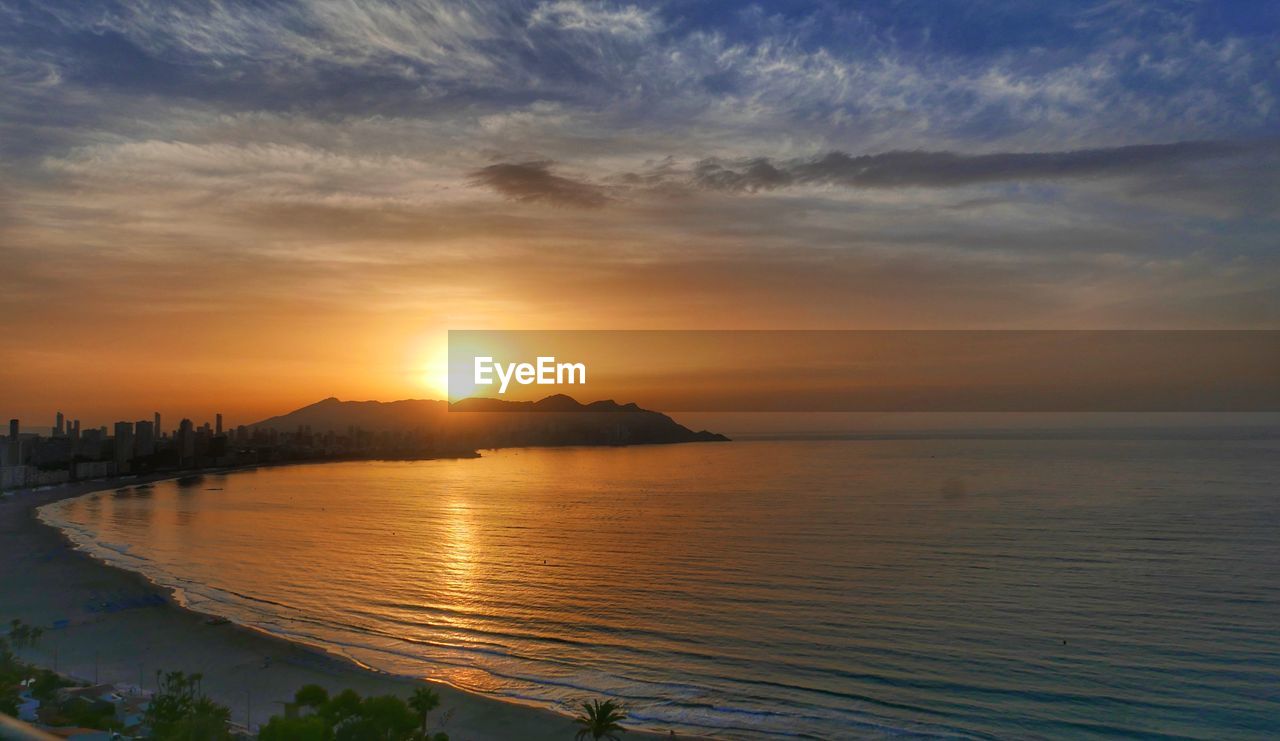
point(124, 446)
point(144, 437)
point(218, 429)
point(186, 441)
point(159, 430)
point(15, 444)
point(58, 429)
point(91, 443)
point(204, 437)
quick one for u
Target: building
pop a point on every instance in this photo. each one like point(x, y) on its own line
point(144, 438)
point(204, 434)
point(94, 469)
point(218, 428)
point(124, 446)
point(91, 441)
point(59, 429)
point(158, 429)
point(14, 477)
point(15, 445)
point(48, 453)
point(186, 441)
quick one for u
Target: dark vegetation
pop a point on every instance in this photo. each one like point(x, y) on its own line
point(180, 711)
point(600, 720)
point(315, 716)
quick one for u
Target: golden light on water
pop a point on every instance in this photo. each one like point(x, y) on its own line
point(457, 545)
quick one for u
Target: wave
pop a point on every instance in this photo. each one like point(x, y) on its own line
point(685, 707)
point(508, 675)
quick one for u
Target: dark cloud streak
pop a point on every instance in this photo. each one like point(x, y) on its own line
point(534, 182)
point(948, 169)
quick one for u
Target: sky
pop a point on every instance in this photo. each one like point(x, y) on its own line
point(249, 206)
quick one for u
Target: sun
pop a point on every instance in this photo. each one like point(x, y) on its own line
point(433, 375)
point(431, 370)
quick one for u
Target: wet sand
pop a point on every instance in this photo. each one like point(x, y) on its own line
point(43, 580)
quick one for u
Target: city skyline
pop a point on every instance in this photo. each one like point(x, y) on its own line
point(63, 424)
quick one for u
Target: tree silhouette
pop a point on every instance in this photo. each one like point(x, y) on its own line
point(423, 701)
point(311, 696)
point(341, 707)
point(385, 718)
point(21, 634)
point(600, 720)
point(349, 717)
point(179, 710)
point(310, 728)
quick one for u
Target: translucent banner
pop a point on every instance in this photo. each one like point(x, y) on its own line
point(878, 371)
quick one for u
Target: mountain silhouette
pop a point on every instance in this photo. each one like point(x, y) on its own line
point(493, 423)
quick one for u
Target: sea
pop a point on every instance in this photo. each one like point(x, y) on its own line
point(953, 588)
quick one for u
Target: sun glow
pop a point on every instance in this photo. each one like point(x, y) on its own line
point(432, 370)
point(433, 375)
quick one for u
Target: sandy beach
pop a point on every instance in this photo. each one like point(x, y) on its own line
point(43, 580)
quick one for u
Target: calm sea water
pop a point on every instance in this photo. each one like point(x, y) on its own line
point(817, 589)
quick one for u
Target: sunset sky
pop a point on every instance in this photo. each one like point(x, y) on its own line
point(247, 207)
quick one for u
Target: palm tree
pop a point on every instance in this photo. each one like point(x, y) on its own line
point(424, 700)
point(600, 720)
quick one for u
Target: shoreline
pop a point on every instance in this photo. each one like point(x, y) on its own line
point(47, 579)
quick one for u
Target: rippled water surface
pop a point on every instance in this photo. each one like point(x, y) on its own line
point(829, 589)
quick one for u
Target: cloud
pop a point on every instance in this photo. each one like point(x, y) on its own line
point(949, 169)
point(673, 79)
point(534, 182)
point(569, 15)
point(327, 131)
point(753, 175)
